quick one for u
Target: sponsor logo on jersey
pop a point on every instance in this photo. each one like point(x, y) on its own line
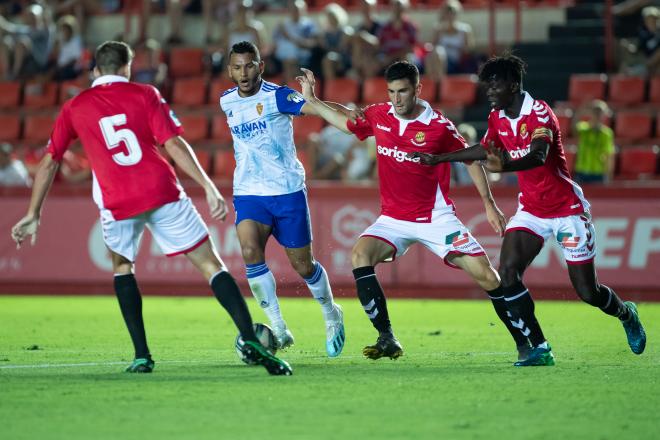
point(457, 238)
point(295, 97)
point(249, 128)
point(398, 155)
point(503, 133)
point(230, 114)
point(384, 128)
point(260, 108)
point(567, 239)
point(518, 153)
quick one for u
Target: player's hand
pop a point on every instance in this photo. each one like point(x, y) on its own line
point(424, 158)
point(217, 204)
point(496, 158)
point(356, 114)
point(25, 227)
point(496, 218)
point(307, 83)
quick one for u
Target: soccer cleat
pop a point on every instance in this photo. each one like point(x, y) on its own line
point(258, 354)
point(386, 346)
point(141, 365)
point(335, 333)
point(538, 357)
point(283, 336)
point(524, 350)
point(634, 329)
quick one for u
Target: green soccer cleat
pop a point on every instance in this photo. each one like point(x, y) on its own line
point(634, 329)
point(141, 365)
point(538, 357)
point(386, 346)
point(258, 354)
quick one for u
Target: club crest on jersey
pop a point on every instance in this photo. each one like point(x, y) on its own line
point(457, 239)
point(420, 136)
point(523, 130)
point(567, 239)
point(260, 108)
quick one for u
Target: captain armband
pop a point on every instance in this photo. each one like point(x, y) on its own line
point(542, 132)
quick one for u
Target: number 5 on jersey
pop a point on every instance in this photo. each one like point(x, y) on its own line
point(114, 138)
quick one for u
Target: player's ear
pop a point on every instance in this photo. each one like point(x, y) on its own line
point(262, 66)
point(96, 72)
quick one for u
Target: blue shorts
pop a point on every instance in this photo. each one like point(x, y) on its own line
point(287, 214)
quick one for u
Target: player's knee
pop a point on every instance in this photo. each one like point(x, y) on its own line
point(508, 274)
point(489, 279)
point(361, 258)
point(252, 254)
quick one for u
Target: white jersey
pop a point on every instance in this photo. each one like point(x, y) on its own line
point(262, 128)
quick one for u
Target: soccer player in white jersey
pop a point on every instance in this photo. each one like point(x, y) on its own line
point(269, 190)
point(414, 199)
point(523, 136)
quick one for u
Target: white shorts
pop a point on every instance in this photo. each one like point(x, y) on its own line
point(177, 227)
point(575, 233)
point(444, 235)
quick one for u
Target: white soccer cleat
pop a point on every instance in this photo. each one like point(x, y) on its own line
point(334, 332)
point(283, 336)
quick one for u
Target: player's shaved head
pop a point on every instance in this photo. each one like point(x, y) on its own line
point(245, 47)
point(402, 70)
point(507, 67)
point(111, 56)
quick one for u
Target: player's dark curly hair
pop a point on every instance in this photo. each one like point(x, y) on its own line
point(112, 56)
point(507, 67)
point(402, 70)
point(245, 47)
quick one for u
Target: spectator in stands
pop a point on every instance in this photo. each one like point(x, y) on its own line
point(68, 49)
point(594, 162)
point(294, 39)
point(213, 11)
point(361, 161)
point(80, 9)
point(26, 49)
point(148, 66)
point(642, 57)
point(453, 42)
point(12, 170)
point(364, 44)
point(333, 50)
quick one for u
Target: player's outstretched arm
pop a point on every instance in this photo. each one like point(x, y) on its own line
point(470, 154)
point(315, 106)
point(493, 214)
point(184, 156)
point(43, 180)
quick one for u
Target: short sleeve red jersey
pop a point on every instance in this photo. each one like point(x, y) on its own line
point(409, 190)
point(546, 191)
point(120, 125)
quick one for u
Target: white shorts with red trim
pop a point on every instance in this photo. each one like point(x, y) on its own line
point(575, 233)
point(444, 235)
point(177, 227)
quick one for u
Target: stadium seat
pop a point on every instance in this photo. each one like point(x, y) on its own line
point(341, 90)
point(626, 90)
point(189, 91)
point(570, 160)
point(637, 162)
point(224, 164)
point(458, 90)
point(10, 127)
point(217, 88)
point(585, 87)
point(631, 125)
point(374, 90)
point(304, 126)
point(10, 94)
point(429, 91)
point(565, 119)
point(654, 89)
point(40, 95)
point(195, 126)
point(38, 127)
point(220, 131)
point(657, 126)
point(186, 61)
point(71, 88)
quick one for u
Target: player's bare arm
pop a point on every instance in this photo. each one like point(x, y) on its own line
point(494, 215)
point(498, 160)
point(184, 156)
point(315, 106)
point(470, 154)
point(43, 180)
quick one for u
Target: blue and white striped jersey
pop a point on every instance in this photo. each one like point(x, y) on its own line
point(262, 128)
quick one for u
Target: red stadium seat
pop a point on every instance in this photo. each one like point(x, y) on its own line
point(10, 94)
point(69, 89)
point(565, 119)
point(38, 127)
point(429, 91)
point(654, 90)
point(374, 90)
point(637, 162)
point(657, 126)
point(10, 127)
point(224, 164)
point(217, 88)
point(585, 87)
point(189, 91)
point(40, 95)
point(626, 90)
point(341, 90)
point(304, 126)
point(458, 90)
point(632, 125)
point(186, 61)
point(220, 131)
point(195, 126)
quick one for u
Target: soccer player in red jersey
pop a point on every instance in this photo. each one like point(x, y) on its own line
point(414, 198)
point(523, 136)
point(121, 124)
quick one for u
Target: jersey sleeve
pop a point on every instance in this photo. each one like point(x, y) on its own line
point(289, 102)
point(451, 139)
point(163, 122)
point(62, 135)
point(545, 127)
point(362, 128)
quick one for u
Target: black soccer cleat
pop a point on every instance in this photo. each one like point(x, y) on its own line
point(256, 353)
point(524, 351)
point(386, 346)
point(141, 365)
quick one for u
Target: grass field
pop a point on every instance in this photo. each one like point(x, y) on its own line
point(61, 362)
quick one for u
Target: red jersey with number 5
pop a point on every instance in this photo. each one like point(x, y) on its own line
point(121, 124)
point(546, 191)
